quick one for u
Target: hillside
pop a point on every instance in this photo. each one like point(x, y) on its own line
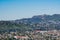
point(7, 26)
point(41, 22)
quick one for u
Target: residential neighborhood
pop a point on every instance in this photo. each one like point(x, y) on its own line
point(32, 35)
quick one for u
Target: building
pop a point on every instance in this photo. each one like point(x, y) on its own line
point(22, 37)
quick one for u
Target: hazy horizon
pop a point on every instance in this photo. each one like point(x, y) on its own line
point(18, 9)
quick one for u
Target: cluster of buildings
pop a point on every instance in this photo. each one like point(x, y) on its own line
point(32, 35)
point(49, 35)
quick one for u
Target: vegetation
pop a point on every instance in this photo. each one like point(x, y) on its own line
point(41, 22)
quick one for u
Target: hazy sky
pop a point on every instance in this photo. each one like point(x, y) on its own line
point(17, 9)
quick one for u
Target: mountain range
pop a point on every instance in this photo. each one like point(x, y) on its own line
point(39, 22)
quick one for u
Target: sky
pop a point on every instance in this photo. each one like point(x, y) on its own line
point(18, 9)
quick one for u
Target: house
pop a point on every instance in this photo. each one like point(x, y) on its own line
point(21, 37)
point(39, 31)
